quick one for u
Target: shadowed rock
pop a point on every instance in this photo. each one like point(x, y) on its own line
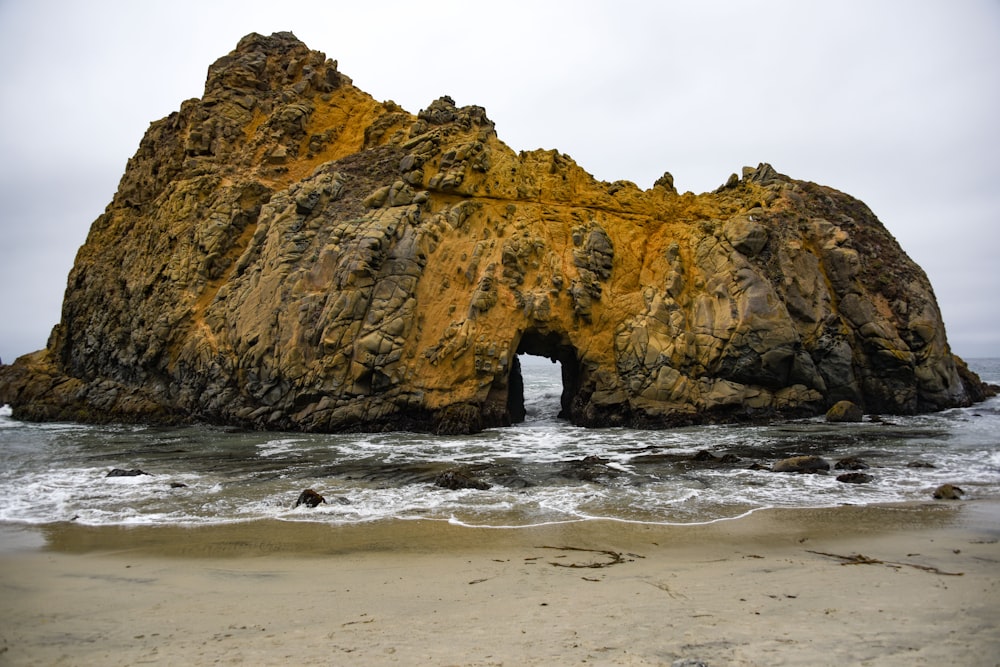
point(851, 463)
point(310, 498)
point(855, 478)
point(119, 472)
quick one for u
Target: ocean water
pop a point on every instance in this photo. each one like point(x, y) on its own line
point(540, 472)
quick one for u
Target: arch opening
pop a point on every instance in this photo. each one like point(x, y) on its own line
point(558, 350)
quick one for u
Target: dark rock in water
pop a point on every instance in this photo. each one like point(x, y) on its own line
point(501, 474)
point(855, 478)
point(851, 463)
point(705, 456)
point(459, 479)
point(920, 464)
point(309, 498)
point(948, 492)
point(589, 469)
point(657, 459)
point(178, 485)
point(802, 464)
point(119, 472)
point(516, 482)
point(845, 411)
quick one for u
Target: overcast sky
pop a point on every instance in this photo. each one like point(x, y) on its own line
point(894, 102)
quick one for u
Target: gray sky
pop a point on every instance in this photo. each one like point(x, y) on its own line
point(894, 102)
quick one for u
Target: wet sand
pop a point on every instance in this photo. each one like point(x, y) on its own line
point(915, 584)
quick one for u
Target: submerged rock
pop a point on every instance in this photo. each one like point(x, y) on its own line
point(855, 478)
point(286, 252)
point(460, 479)
point(802, 464)
point(120, 472)
point(705, 456)
point(592, 468)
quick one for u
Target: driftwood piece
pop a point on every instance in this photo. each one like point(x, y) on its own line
point(614, 556)
point(861, 559)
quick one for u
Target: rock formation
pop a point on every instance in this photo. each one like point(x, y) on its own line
point(288, 253)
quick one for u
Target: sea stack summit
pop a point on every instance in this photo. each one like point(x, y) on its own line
point(289, 253)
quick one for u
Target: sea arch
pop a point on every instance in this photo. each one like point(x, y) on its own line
point(558, 348)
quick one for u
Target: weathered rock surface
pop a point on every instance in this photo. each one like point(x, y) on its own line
point(288, 253)
point(948, 492)
point(844, 411)
point(802, 464)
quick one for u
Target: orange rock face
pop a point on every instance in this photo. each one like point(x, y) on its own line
point(286, 252)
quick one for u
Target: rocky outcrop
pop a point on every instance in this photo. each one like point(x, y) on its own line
point(288, 253)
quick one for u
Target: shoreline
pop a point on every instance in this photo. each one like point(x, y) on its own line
point(258, 537)
point(294, 538)
point(774, 587)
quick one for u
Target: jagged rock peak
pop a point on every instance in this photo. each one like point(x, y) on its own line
point(289, 253)
point(259, 64)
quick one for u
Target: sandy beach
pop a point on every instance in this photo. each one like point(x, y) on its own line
point(915, 584)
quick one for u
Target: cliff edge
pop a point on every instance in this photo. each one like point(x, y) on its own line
point(288, 253)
